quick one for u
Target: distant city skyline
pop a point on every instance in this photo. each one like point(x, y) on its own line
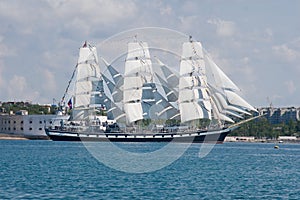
point(256, 43)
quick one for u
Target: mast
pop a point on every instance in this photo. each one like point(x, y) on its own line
point(194, 98)
point(138, 71)
point(87, 82)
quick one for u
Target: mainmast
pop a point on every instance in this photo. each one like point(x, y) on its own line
point(194, 99)
point(138, 71)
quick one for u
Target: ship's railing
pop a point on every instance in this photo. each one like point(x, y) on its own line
point(99, 129)
point(72, 128)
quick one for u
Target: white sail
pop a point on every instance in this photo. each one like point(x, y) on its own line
point(192, 50)
point(224, 92)
point(138, 50)
point(117, 77)
point(138, 60)
point(132, 89)
point(114, 91)
point(224, 104)
point(138, 71)
point(165, 99)
point(143, 67)
point(221, 80)
point(188, 82)
point(193, 111)
point(87, 74)
point(170, 93)
point(189, 66)
point(141, 94)
point(172, 77)
point(87, 54)
point(135, 110)
point(225, 118)
point(194, 100)
point(235, 99)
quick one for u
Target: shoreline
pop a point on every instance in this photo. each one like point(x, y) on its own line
point(12, 137)
point(227, 139)
point(4, 136)
point(255, 140)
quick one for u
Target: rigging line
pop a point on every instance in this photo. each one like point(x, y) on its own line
point(215, 109)
point(201, 74)
point(66, 91)
point(196, 63)
point(95, 58)
point(148, 67)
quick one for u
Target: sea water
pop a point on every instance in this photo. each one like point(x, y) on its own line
point(66, 170)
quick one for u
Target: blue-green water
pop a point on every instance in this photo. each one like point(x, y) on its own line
point(66, 170)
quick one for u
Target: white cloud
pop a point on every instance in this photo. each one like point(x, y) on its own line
point(94, 12)
point(187, 23)
point(223, 28)
point(40, 39)
point(166, 10)
point(4, 49)
point(49, 83)
point(18, 89)
point(268, 34)
point(285, 52)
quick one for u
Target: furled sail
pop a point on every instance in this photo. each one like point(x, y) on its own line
point(194, 100)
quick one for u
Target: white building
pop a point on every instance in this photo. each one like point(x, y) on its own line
point(31, 126)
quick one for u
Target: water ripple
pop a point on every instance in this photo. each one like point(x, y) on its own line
point(62, 170)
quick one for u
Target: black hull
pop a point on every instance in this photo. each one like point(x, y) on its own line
point(201, 137)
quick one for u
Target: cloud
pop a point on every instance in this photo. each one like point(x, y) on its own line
point(18, 89)
point(66, 16)
point(187, 23)
point(49, 83)
point(223, 28)
point(166, 10)
point(285, 52)
point(268, 33)
point(94, 12)
point(40, 39)
point(4, 52)
point(4, 49)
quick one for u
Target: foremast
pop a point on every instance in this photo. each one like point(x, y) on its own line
point(88, 83)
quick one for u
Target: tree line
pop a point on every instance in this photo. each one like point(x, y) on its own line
point(262, 128)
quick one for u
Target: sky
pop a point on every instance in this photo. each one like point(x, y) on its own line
point(256, 43)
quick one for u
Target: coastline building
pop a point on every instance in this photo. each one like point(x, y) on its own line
point(29, 126)
point(23, 124)
point(280, 115)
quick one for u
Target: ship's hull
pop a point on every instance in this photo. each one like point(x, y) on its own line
point(215, 136)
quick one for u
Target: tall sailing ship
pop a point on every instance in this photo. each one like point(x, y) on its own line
point(139, 104)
